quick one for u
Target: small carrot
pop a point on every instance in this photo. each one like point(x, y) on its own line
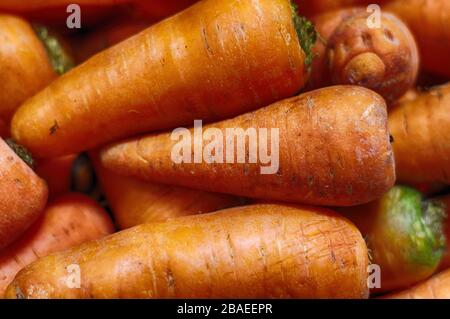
point(23, 194)
point(66, 222)
point(332, 149)
point(437, 287)
point(418, 128)
point(430, 23)
point(258, 251)
point(107, 36)
point(24, 63)
point(134, 202)
point(404, 235)
point(197, 64)
point(384, 59)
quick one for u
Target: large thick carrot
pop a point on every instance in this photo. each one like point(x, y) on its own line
point(197, 64)
point(437, 287)
point(23, 194)
point(66, 222)
point(430, 22)
point(332, 149)
point(24, 63)
point(352, 51)
point(404, 234)
point(134, 202)
point(259, 251)
point(419, 129)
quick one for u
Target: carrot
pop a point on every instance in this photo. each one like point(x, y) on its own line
point(404, 235)
point(197, 64)
point(134, 202)
point(66, 222)
point(437, 287)
point(421, 145)
point(384, 59)
point(24, 62)
point(23, 194)
point(332, 149)
point(107, 36)
point(430, 23)
point(259, 251)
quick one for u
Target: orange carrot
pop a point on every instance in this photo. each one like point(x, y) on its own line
point(384, 59)
point(67, 222)
point(430, 22)
point(197, 64)
point(419, 129)
point(259, 251)
point(332, 149)
point(134, 202)
point(23, 194)
point(437, 287)
point(24, 63)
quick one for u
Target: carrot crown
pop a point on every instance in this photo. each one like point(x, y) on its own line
point(61, 61)
point(420, 221)
point(307, 34)
point(21, 151)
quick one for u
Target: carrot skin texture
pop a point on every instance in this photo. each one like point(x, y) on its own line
point(333, 150)
point(134, 202)
point(67, 222)
point(153, 81)
point(382, 59)
point(437, 287)
point(25, 65)
point(430, 22)
point(256, 251)
point(23, 195)
point(421, 144)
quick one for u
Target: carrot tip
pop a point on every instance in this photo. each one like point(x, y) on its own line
point(59, 58)
point(307, 34)
point(21, 151)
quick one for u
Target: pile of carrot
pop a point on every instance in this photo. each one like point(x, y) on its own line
point(225, 149)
